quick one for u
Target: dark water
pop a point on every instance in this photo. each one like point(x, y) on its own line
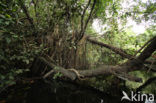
point(58, 92)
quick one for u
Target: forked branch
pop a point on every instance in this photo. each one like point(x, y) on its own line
point(83, 27)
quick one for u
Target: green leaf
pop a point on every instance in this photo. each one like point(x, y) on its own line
point(11, 77)
point(8, 16)
point(8, 40)
point(2, 77)
point(57, 75)
point(7, 22)
point(19, 71)
point(2, 16)
point(27, 61)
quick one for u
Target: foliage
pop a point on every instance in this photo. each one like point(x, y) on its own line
point(16, 53)
point(31, 28)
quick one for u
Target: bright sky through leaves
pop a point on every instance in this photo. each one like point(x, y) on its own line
point(136, 28)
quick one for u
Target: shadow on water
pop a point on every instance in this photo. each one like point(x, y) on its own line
point(58, 92)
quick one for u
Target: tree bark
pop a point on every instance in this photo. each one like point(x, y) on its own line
point(78, 74)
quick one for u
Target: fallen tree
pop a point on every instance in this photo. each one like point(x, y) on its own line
point(103, 70)
point(121, 71)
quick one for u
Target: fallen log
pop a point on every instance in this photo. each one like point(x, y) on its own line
point(78, 74)
point(119, 71)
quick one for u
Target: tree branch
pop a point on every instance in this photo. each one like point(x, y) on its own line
point(55, 68)
point(35, 9)
point(148, 82)
point(103, 70)
point(28, 17)
point(114, 49)
point(87, 21)
point(137, 61)
point(26, 13)
point(82, 17)
point(144, 46)
point(147, 52)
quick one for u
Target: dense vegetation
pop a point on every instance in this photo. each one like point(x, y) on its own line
point(39, 35)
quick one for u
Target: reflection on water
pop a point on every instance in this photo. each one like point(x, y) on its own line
point(54, 91)
point(59, 92)
point(101, 100)
point(149, 101)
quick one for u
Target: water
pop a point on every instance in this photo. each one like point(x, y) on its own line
point(58, 92)
point(149, 101)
